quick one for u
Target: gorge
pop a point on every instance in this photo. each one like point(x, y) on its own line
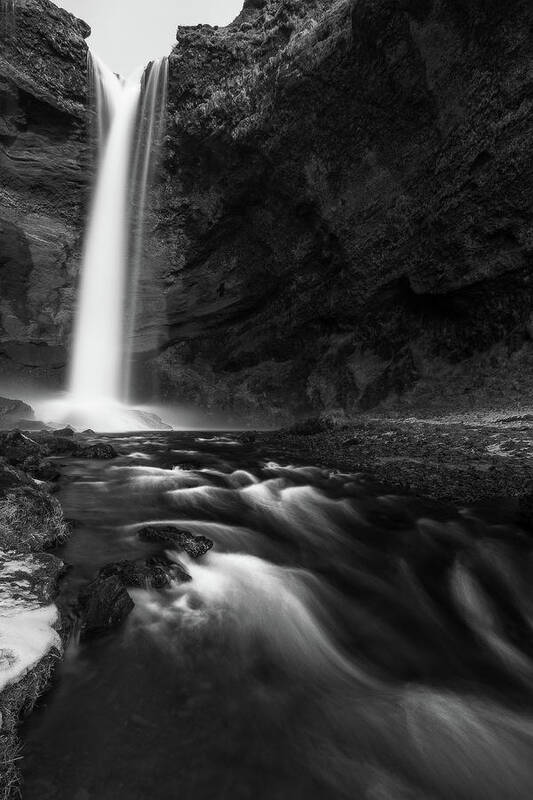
point(308, 249)
point(303, 238)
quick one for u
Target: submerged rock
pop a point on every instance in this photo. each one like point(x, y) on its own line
point(194, 546)
point(103, 604)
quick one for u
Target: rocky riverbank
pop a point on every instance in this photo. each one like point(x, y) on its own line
point(31, 520)
point(462, 458)
point(35, 618)
point(32, 627)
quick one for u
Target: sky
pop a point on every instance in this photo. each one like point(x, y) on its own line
point(128, 33)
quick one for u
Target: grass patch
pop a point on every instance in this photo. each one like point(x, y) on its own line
point(16, 702)
point(30, 520)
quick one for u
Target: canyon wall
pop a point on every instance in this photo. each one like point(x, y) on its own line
point(343, 212)
point(43, 165)
point(346, 201)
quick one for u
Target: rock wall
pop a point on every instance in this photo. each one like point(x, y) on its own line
point(343, 208)
point(43, 160)
point(345, 200)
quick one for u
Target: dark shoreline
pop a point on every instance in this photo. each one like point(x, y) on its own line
point(459, 462)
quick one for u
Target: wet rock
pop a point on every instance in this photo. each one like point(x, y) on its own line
point(10, 477)
point(98, 451)
point(194, 546)
point(59, 445)
point(103, 604)
point(16, 447)
point(157, 572)
point(41, 470)
point(174, 570)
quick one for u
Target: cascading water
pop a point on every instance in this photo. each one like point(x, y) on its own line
point(129, 117)
point(151, 127)
point(340, 640)
point(99, 329)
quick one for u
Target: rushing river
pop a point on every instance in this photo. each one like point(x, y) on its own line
point(339, 641)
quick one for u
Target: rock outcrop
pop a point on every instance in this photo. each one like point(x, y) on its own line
point(43, 163)
point(345, 200)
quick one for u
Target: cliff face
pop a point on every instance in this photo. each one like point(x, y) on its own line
point(346, 200)
point(344, 208)
point(42, 184)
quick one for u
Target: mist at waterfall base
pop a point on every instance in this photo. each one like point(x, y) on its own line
point(128, 124)
point(340, 640)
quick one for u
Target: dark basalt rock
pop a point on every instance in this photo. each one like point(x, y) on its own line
point(195, 546)
point(58, 445)
point(10, 476)
point(41, 470)
point(97, 451)
point(17, 448)
point(103, 604)
point(157, 572)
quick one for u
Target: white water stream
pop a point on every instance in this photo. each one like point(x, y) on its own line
point(96, 368)
point(128, 126)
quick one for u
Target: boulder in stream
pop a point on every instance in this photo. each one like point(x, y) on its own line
point(98, 451)
point(16, 447)
point(194, 546)
point(104, 603)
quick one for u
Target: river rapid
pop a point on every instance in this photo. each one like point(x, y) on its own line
point(340, 640)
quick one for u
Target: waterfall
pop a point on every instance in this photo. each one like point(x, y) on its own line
point(151, 128)
point(129, 116)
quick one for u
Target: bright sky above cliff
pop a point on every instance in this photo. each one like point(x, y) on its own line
point(129, 33)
